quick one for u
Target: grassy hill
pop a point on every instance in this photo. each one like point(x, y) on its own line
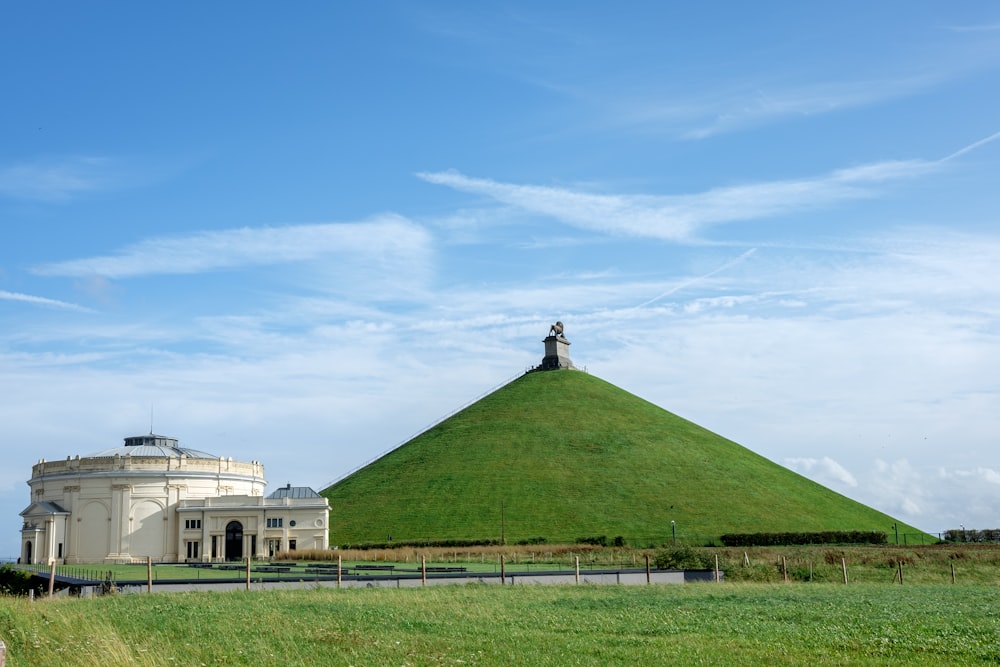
point(564, 455)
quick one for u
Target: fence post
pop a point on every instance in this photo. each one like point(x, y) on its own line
point(339, 569)
point(784, 569)
point(503, 570)
point(717, 577)
point(577, 569)
point(149, 574)
point(423, 570)
point(248, 572)
point(649, 578)
point(52, 579)
point(843, 564)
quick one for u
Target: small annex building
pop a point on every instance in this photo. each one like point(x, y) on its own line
point(151, 498)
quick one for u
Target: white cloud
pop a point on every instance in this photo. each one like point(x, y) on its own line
point(834, 383)
point(987, 475)
point(679, 217)
point(59, 179)
point(42, 301)
point(822, 469)
point(385, 240)
point(985, 27)
point(754, 101)
point(743, 109)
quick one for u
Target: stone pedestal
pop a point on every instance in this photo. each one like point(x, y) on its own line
point(556, 354)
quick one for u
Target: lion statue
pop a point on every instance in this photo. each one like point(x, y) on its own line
point(557, 330)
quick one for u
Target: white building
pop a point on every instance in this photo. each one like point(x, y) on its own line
point(153, 499)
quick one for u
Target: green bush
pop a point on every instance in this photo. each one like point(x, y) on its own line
point(785, 539)
point(683, 558)
point(448, 544)
point(14, 582)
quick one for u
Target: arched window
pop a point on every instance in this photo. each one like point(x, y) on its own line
point(234, 540)
point(27, 552)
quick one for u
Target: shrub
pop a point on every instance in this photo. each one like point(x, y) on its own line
point(600, 540)
point(396, 544)
point(785, 539)
point(834, 557)
point(683, 558)
point(14, 582)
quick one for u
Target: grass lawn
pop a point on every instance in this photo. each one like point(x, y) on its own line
point(732, 624)
point(565, 455)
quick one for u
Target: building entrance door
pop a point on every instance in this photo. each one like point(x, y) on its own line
point(27, 552)
point(234, 540)
point(273, 547)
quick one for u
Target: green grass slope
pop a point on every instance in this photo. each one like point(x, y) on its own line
point(563, 455)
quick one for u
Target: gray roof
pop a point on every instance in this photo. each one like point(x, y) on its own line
point(289, 491)
point(159, 446)
point(46, 507)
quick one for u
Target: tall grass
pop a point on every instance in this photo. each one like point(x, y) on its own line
point(732, 624)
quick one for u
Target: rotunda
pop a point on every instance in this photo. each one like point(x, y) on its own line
point(151, 498)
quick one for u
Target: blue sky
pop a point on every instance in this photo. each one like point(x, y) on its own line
point(302, 234)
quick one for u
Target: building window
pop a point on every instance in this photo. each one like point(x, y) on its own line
point(192, 524)
point(60, 550)
point(273, 547)
point(291, 545)
point(192, 550)
point(275, 523)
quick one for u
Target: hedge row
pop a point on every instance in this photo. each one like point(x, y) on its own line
point(972, 535)
point(601, 540)
point(421, 543)
point(825, 537)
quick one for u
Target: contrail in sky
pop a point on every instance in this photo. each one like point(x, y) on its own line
point(692, 281)
point(971, 147)
point(42, 301)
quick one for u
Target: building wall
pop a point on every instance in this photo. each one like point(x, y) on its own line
point(124, 508)
point(268, 525)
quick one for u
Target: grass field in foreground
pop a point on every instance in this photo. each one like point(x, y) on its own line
point(743, 624)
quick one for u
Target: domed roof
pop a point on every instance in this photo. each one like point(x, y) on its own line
point(159, 446)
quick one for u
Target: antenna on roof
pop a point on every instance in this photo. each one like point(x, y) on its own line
point(151, 419)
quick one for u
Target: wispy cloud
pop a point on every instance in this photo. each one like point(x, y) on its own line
point(822, 468)
point(985, 27)
point(56, 180)
point(743, 110)
point(679, 217)
point(743, 107)
point(974, 145)
point(385, 240)
point(697, 279)
point(42, 301)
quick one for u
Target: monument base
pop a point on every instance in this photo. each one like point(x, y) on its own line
point(556, 354)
